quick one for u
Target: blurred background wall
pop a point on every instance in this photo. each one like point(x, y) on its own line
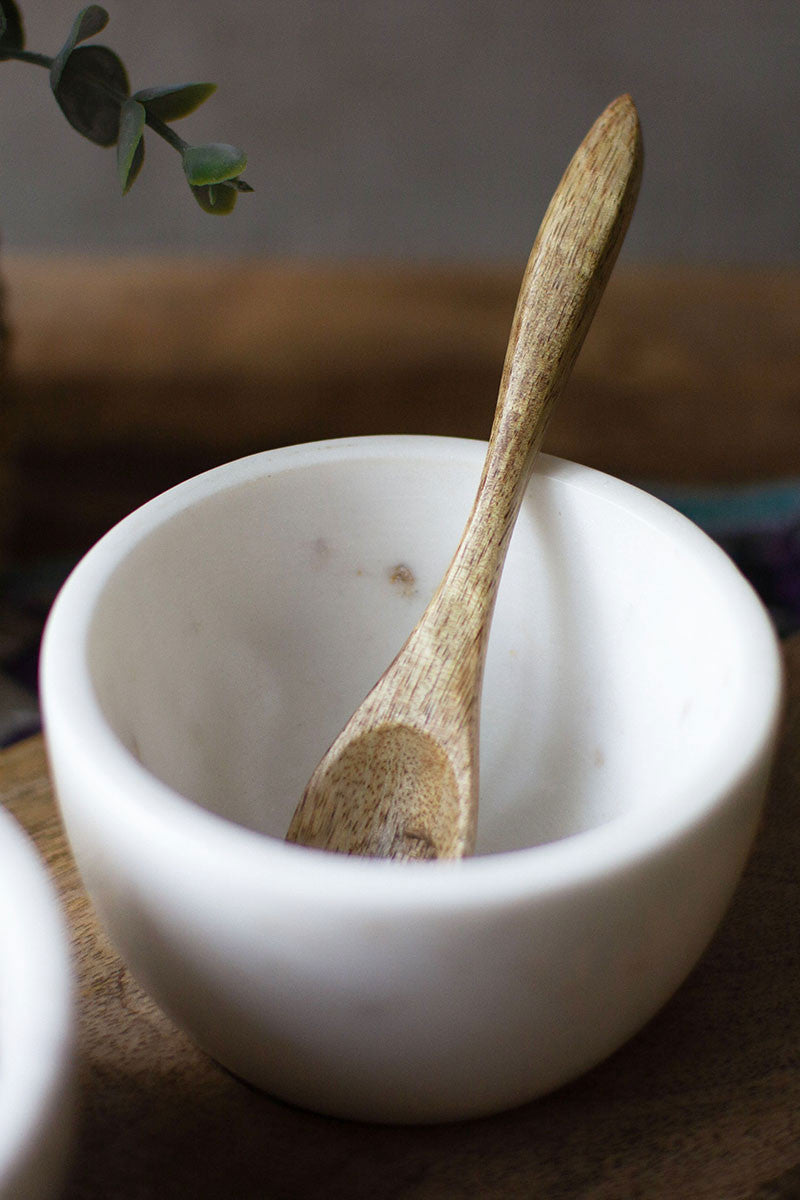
point(403, 153)
point(420, 130)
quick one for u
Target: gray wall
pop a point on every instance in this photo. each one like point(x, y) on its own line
point(423, 130)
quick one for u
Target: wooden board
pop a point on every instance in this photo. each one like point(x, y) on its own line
point(130, 374)
point(703, 1104)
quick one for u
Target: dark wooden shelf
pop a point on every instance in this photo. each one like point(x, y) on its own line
point(131, 374)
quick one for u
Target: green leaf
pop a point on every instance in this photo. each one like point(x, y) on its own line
point(12, 33)
point(217, 198)
point(88, 22)
point(130, 147)
point(172, 103)
point(212, 163)
point(92, 86)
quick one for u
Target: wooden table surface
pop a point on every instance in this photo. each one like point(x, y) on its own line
point(704, 1103)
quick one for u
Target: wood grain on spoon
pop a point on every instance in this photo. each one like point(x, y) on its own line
point(401, 779)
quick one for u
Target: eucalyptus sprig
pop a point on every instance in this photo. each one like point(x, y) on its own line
point(91, 86)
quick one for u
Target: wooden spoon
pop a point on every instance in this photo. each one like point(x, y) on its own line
point(401, 779)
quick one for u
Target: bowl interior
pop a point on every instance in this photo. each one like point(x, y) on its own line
point(241, 628)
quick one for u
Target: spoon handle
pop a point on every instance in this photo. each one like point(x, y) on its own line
point(401, 779)
point(567, 271)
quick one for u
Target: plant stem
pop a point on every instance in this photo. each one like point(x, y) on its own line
point(165, 131)
point(156, 124)
point(39, 60)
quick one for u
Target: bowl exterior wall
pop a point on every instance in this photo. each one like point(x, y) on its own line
point(359, 989)
point(372, 1016)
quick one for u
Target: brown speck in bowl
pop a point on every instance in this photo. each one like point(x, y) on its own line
point(403, 577)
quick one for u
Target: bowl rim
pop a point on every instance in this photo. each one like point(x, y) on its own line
point(36, 1015)
point(75, 726)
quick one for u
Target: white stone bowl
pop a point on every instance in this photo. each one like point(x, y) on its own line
point(36, 1025)
point(203, 655)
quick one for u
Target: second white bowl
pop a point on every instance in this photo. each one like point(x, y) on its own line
point(36, 1025)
